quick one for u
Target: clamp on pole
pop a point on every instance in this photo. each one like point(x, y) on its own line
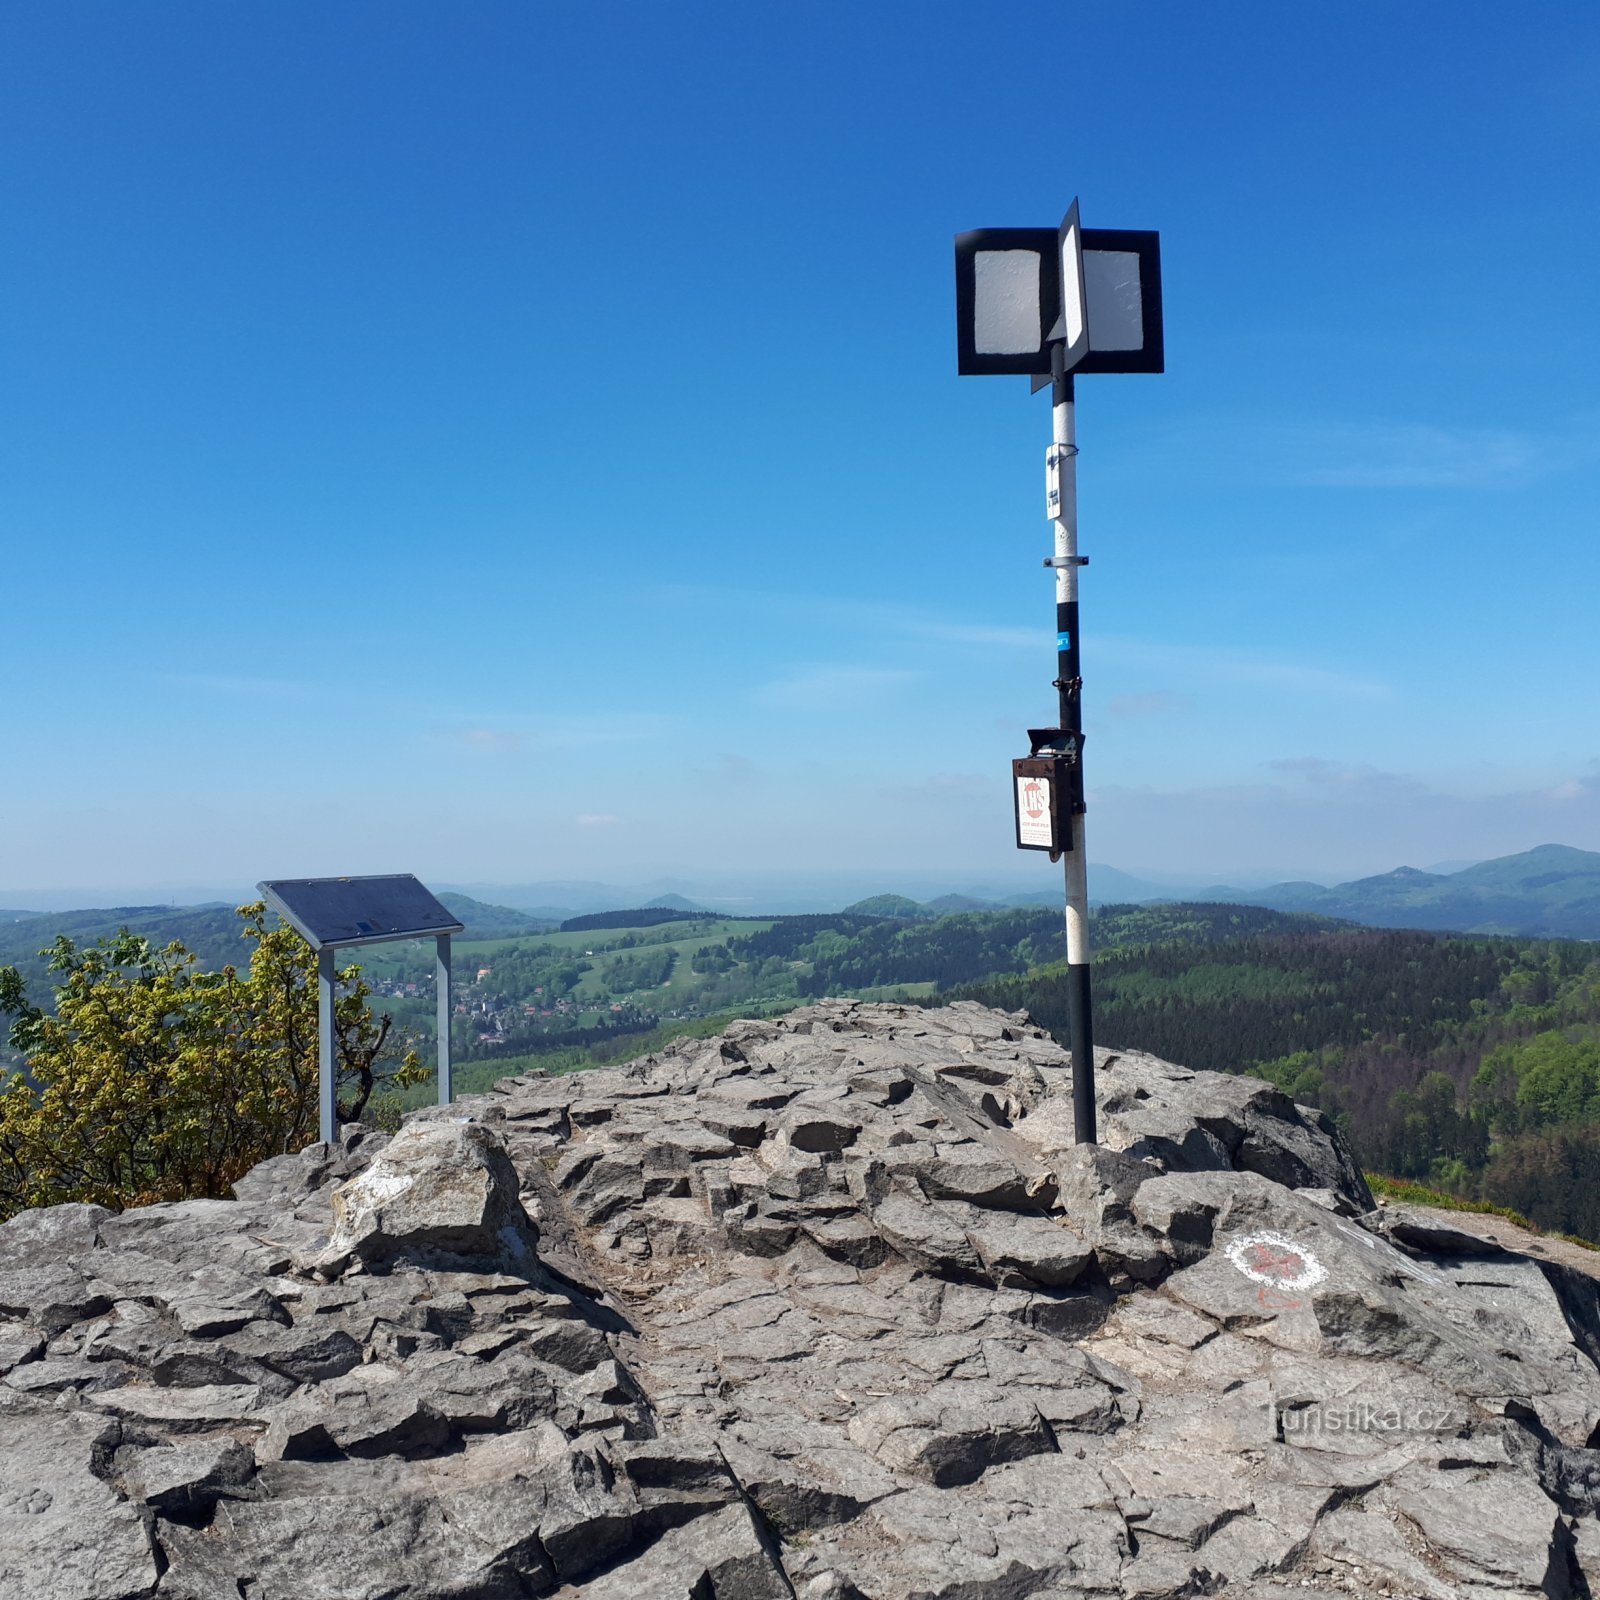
point(1066, 561)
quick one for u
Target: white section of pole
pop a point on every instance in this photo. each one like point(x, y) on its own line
point(1065, 436)
point(327, 1057)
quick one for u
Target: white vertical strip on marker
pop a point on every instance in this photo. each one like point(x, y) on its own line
point(1064, 428)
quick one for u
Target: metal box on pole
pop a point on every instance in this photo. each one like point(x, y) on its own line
point(1047, 790)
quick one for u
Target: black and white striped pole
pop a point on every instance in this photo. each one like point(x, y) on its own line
point(1053, 304)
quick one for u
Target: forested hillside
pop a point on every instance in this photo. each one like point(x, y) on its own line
point(1473, 1064)
point(850, 952)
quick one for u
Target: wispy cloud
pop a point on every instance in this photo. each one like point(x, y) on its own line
point(873, 619)
point(831, 688)
point(487, 740)
point(729, 770)
point(503, 733)
point(242, 687)
point(977, 635)
point(1346, 777)
point(839, 686)
point(1355, 454)
point(1573, 789)
point(596, 819)
point(1158, 703)
point(1223, 665)
point(1416, 457)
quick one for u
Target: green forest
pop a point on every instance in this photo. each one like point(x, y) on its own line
point(1471, 1064)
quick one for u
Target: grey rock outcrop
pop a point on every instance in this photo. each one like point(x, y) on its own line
point(825, 1307)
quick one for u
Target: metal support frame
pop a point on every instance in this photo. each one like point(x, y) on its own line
point(1069, 684)
point(327, 1058)
point(441, 985)
point(327, 1055)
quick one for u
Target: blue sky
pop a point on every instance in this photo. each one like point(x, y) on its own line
point(522, 441)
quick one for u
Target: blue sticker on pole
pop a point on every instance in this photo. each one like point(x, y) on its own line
point(1063, 643)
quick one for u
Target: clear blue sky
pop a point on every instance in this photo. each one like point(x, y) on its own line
point(518, 441)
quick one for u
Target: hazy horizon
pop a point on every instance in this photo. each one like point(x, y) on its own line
point(741, 894)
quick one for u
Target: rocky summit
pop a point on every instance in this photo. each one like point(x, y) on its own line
point(828, 1306)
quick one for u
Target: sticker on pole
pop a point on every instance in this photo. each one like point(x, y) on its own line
point(1055, 486)
point(1033, 813)
point(1275, 1261)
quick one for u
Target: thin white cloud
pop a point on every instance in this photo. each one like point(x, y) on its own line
point(1158, 703)
point(568, 731)
point(1348, 778)
point(813, 688)
point(1572, 789)
point(957, 783)
point(1418, 457)
point(831, 688)
point(595, 819)
point(728, 769)
point(871, 618)
point(1202, 664)
point(242, 687)
point(1360, 454)
point(975, 634)
point(488, 740)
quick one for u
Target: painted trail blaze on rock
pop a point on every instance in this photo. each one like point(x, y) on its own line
point(830, 1307)
point(1276, 1261)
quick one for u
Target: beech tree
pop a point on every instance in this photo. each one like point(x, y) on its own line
point(152, 1080)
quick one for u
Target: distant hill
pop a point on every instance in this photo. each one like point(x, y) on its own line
point(486, 921)
point(638, 917)
point(888, 905)
point(947, 903)
point(676, 902)
point(210, 931)
point(1552, 892)
point(1108, 886)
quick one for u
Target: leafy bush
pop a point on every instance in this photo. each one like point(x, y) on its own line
point(154, 1081)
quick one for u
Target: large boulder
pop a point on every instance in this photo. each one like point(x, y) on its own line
point(438, 1188)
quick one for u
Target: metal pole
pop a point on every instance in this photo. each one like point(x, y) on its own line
point(327, 1069)
point(441, 984)
point(1069, 681)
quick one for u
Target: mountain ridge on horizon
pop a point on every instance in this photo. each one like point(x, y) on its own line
point(1550, 891)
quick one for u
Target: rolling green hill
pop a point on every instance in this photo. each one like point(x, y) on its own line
point(484, 921)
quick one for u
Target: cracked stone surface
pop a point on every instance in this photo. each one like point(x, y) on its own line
point(828, 1307)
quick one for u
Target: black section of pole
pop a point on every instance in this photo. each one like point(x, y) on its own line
point(1069, 675)
point(1080, 1033)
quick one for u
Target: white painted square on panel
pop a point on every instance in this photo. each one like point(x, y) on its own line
point(1116, 299)
point(1005, 309)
